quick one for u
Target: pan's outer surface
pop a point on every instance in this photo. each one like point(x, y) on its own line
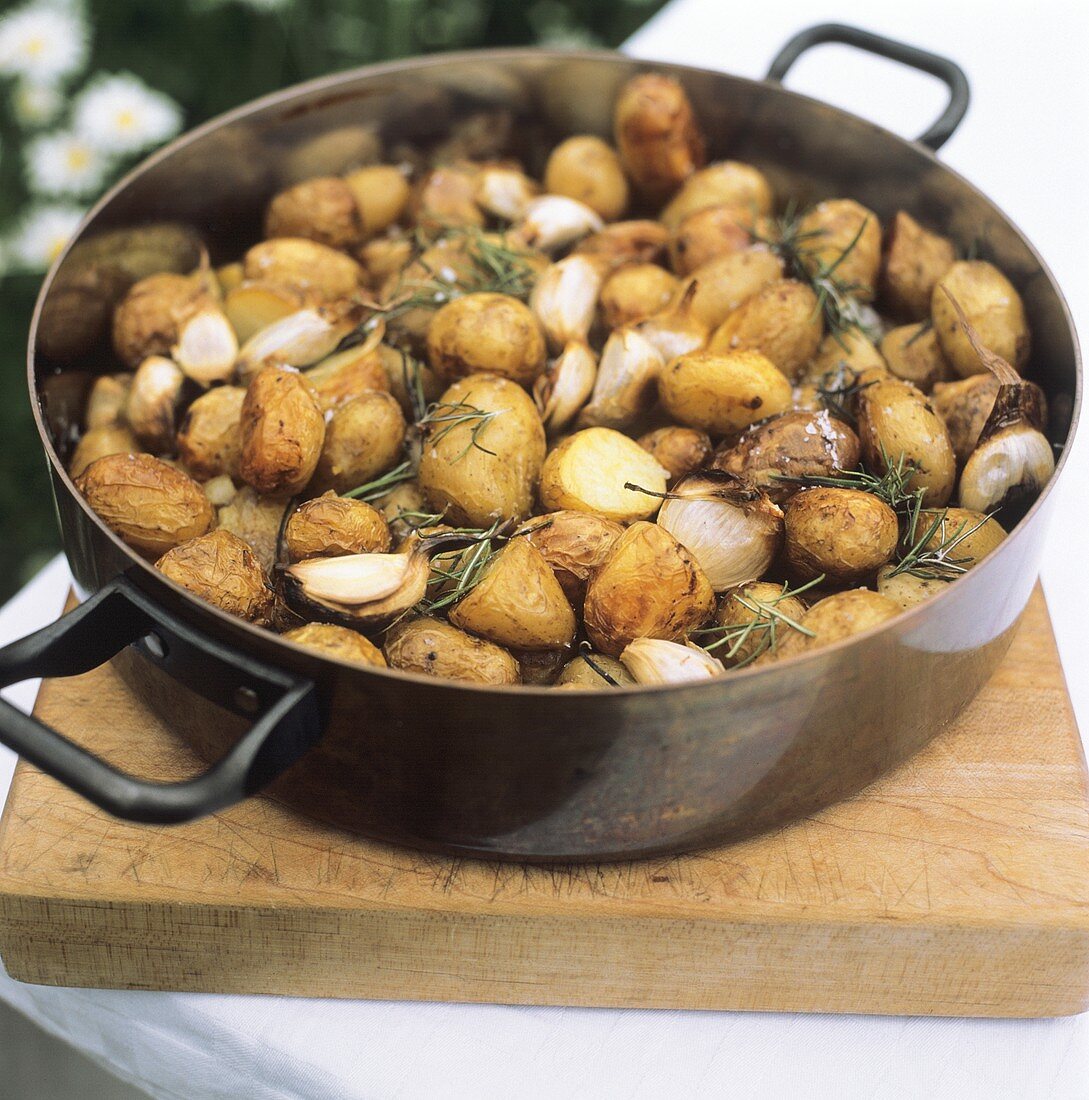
point(533, 773)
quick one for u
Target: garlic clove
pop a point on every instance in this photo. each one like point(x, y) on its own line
point(207, 347)
point(732, 529)
point(654, 661)
point(351, 579)
point(626, 380)
point(297, 340)
point(565, 387)
point(220, 490)
point(152, 406)
point(676, 330)
point(564, 299)
point(552, 222)
point(505, 192)
point(1014, 463)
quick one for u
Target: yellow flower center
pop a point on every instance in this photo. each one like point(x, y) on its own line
point(34, 47)
point(55, 246)
point(78, 157)
point(126, 119)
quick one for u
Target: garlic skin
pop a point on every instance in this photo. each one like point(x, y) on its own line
point(625, 383)
point(297, 340)
point(565, 387)
point(564, 299)
point(505, 192)
point(654, 661)
point(152, 405)
point(733, 530)
point(1014, 462)
point(207, 347)
point(553, 222)
point(676, 330)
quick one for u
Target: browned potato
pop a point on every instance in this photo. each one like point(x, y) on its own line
point(347, 374)
point(146, 321)
point(848, 349)
point(634, 292)
point(114, 439)
point(913, 353)
point(906, 589)
point(364, 437)
point(649, 586)
point(330, 525)
point(338, 643)
point(518, 602)
point(381, 194)
point(253, 306)
point(993, 308)
point(256, 520)
point(838, 616)
point(640, 241)
point(306, 267)
point(706, 234)
point(723, 393)
point(915, 259)
point(385, 258)
point(726, 183)
point(964, 405)
point(588, 169)
point(844, 534)
point(282, 432)
point(477, 478)
point(746, 604)
point(781, 320)
point(106, 401)
point(321, 209)
point(847, 235)
point(795, 444)
point(486, 332)
point(446, 197)
point(221, 569)
point(656, 131)
point(574, 544)
point(588, 471)
point(724, 283)
point(435, 648)
point(588, 670)
point(973, 534)
point(679, 450)
point(210, 437)
point(151, 505)
point(894, 419)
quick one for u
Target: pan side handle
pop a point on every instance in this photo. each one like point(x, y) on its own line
point(287, 720)
point(947, 71)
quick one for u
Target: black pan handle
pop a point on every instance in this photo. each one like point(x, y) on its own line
point(287, 719)
point(949, 72)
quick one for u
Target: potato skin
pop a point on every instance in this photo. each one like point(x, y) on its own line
point(329, 525)
point(964, 405)
point(906, 589)
point(146, 321)
point(256, 520)
point(347, 374)
point(363, 438)
point(838, 616)
point(914, 354)
point(993, 308)
point(895, 418)
point(221, 569)
point(727, 182)
point(794, 444)
point(473, 486)
point(99, 442)
point(314, 271)
point(577, 673)
point(282, 432)
point(337, 642)
point(843, 533)
point(723, 393)
point(706, 234)
point(781, 321)
point(638, 241)
point(588, 169)
point(915, 259)
point(656, 131)
point(151, 505)
point(681, 451)
point(573, 544)
point(486, 332)
point(971, 548)
point(634, 292)
point(209, 439)
point(732, 612)
point(435, 648)
point(849, 349)
point(837, 222)
point(724, 283)
point(322, 209)
point(649, 586)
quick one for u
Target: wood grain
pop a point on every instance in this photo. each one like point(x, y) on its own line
point(958, 885)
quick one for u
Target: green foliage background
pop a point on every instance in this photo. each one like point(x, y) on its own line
point(210, 55)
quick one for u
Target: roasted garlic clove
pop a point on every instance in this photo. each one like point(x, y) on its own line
point(565, 387)
point(655, 661)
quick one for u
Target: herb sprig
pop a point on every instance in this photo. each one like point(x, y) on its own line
point(931, 560)
point(380, 486)
point(443, 417)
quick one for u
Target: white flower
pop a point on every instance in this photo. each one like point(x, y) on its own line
point(45, 230)
point(42, 42)
point(120, 114)
point(36, 104)
point(64, 164)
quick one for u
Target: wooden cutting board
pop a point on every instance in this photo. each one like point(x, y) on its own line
point(959, 885)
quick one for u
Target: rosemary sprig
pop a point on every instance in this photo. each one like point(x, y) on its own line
point(924, 328)
point(457, 572)
point(935, 562)
point(762, 631)
point(444, 416)
point(372, 490)
point(893, 486)
point(836, 390)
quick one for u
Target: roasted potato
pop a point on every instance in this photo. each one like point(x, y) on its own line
point(330, 525)
point(588, 169)
point(649, 586)
point(106, 401)
point(969, 536)
point(723, 393)
point(679, 450)
point(993, 308)
point(844, 237)
point(210, 439)
point(446, 197)
point(843, 534)
point(914, 354)
point(639, 241)
point(594, 671)
point(634, 292)
point(115, 439)
point(574, 544)
point(838, 616)
point(915, 259)
point(257, 521)
point(306, 267)
point(151, 505)
point(707, 234)
point(381, 194)
point(435, 648)
point(282, 430)
point(321, 209)
point(850, 350)
point(722, 284)
point(338, 643)
point(347, 374)
point(965, 405)
point(146, 321)
point(755, 602)
point(221, 569)
point(726, 183)
point(364, 437)
point(906, 589)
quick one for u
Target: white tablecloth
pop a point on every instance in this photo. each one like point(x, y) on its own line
point(1023, 143)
